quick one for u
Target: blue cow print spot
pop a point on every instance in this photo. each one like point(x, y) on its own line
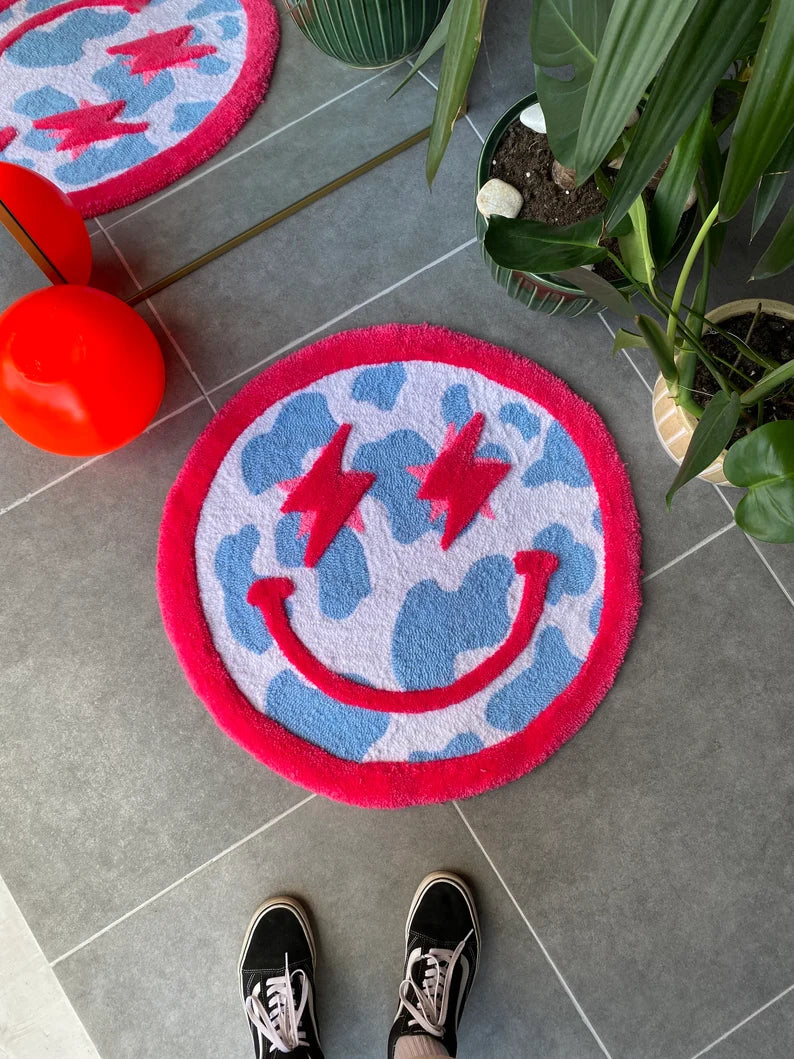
point(577, 566)
point(304, 423)
point(519, 416)
point(380, 386)
point(98, 162)
point(342, 574)
point(43, 102)
point(346, 731)
point(213, 7)
point(234, 570)
point(137, 96)
point(597, 520)
point(434, 625)
point(210, 64)
point(456, 406)
point(520, 701)
point(63, 45)
point(187, 116)
point(230, 27)
point(460, 746)
point(595, 614)
point(39, 140)
point(561, 462)
point(394, 487)
point(491, 451)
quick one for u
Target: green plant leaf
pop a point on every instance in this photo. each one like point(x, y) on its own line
point(668, 202)
point(628, 340)
point(533, 247)
point(661, 345)
point(767, 112)
point(749, 45)
point(637, 37)
point(565, 34)
point(635, 248)
point(779, 255)
point(463, 42)
point(601, 289)
point(764, 463)
point(772, 182)
point(435, 42)
point(768, 384)
point(711, 435)
point(694, 67)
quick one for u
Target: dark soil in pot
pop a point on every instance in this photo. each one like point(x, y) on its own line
point(524, 159)
point(772, 336)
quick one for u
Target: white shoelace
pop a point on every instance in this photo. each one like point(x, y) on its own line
point(432, 999)
point(280, 1024)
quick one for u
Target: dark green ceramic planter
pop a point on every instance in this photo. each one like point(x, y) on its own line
point(545, 294)
point(367, 33)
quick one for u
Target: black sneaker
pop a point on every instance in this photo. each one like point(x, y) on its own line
point(442, 950)
point(277, 981)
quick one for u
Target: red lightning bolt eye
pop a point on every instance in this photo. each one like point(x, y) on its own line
point(458, 482)
point(327, 496)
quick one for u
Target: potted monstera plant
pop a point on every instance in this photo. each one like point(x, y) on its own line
point(725, 395)
point(598, 65)
point(669, 62)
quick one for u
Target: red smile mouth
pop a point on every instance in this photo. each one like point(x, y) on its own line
point(269, 594)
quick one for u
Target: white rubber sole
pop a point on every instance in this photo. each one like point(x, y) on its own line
point(456, 881)
point(266, 906)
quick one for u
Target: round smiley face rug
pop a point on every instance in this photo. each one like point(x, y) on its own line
point(401, 565)
point(115, 99)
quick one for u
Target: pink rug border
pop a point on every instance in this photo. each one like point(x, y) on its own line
point(217, 129)
point(394, 784)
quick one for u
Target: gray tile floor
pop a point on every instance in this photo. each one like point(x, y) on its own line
point(636, 890)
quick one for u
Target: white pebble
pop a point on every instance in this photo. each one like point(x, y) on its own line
point(499, 197)
point(533, 117)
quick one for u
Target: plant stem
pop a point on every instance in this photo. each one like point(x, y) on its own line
point(678, 295)
point(753, 322)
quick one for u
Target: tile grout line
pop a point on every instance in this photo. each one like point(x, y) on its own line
point(179, 351)
point(625, 353)
point(178, 882)
point(768, 565)
point(241, 374)
point(341, 316)
point(754, 544)
point(49, 485)
point(744, 1022)
point(534, 934)
point(36, 1016)
point(94, 459)
point(434, 86)
point(232, 158)
point(690, 551)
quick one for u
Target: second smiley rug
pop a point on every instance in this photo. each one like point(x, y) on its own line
point(401, 565)
point(115, 99)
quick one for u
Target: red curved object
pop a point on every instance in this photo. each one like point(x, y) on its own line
point(270, 594)
point(50, 218)
point(80, 371)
